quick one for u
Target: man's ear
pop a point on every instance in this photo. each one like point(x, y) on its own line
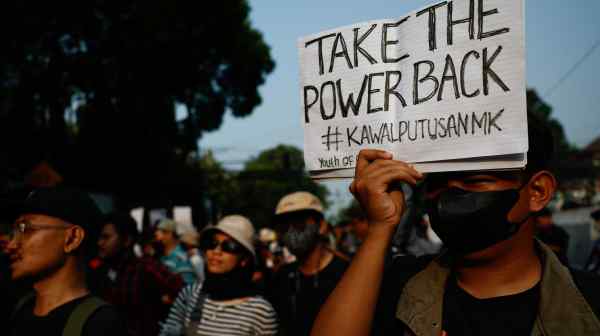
point(73, 238)
point(541, 190)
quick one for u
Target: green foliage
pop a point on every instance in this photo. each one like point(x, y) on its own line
point(92, 86)
point(543, 111)
point(263, 181)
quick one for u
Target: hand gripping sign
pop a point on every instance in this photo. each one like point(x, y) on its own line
point(442, 88)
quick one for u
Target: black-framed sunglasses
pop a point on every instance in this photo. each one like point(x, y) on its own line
point(228, 246)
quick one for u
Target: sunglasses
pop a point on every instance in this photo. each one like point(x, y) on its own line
point(228, 246)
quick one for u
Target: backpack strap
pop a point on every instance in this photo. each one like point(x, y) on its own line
point(21, 303)
point(19, 306)
point(81, 314)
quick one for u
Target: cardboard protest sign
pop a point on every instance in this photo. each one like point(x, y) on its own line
point(443, 87)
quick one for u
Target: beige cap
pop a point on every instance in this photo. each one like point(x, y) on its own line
point(237, 227)
point(190, 237)
point(297, 201)
point(167, 224)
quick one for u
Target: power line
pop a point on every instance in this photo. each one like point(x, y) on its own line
point(589, 52)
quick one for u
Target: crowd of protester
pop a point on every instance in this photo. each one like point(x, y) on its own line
point(68, 269)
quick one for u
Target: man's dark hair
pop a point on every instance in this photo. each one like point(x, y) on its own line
point(124, 224)
point(541, 145)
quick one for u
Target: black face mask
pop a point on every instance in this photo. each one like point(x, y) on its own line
point(469, 221)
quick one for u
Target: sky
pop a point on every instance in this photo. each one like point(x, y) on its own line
point(558, 34)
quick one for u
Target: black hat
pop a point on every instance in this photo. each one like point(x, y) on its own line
point(70, 205)
point(595, 214)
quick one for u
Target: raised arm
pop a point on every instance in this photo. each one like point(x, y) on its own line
point(350, 308)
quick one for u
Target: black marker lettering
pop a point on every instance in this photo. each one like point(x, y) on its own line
point(320, 46)
point(385, 42)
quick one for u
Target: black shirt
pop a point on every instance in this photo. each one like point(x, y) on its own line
point(459, 308)
point(297, 298)
point(465, 315)
point(103, 321)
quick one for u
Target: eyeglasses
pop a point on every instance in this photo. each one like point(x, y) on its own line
point(20, 229)
point(228, 246)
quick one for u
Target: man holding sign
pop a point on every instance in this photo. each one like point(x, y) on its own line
point(443, 89)
point(494, 278)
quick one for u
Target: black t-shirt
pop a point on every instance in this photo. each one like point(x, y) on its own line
point(297, 298)
point(103, 321)
point(401, 269)
point(465, 315)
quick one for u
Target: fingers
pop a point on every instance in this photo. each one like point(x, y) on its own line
point(394, 173)
point(381, 180)
point(367, 156)
point(380, 174)
point(383, 169)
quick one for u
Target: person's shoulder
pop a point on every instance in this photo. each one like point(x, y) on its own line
point(286, 270)
point(191, 289)
point(409, 263)
point(104, 321)
point(587, 283)
point(401, 268)
point(261, 303)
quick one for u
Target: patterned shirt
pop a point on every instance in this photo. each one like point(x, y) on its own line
point(138, 288)
point(177, 261)
point(254, 316)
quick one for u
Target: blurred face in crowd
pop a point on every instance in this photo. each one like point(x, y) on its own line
point(40, 244)
point(110, 243)
point(165, 237)
point(300, 231)
point(223, 254)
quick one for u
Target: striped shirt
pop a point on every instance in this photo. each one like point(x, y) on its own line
point(254, 316)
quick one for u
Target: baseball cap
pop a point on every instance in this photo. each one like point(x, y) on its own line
point(68, 204)
point(190, 237)
point(237, 227)
point(167, 224)
point(298, 201)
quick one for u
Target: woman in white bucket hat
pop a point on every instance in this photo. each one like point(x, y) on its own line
point(225, 303)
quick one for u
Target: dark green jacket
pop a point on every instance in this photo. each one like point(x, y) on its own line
point(563, 308)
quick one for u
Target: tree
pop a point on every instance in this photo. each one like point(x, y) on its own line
point(543, 111)
point(264, 180)
point(93, 87)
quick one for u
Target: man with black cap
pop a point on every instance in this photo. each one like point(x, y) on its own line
point(53, 235)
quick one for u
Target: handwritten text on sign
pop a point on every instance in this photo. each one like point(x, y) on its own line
point(446, 82)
